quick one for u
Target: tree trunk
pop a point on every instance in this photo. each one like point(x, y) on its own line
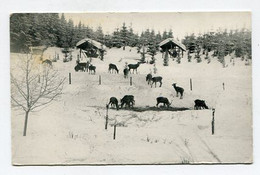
point(25, 123)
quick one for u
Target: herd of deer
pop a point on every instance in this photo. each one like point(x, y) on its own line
point(128, 100)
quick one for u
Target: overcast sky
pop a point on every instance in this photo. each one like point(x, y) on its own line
point(180, 23)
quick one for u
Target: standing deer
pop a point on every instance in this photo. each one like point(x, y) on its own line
point(178, 90)
point(155, 80)
point(126, 71)
point(149, 78)
point(134, 67)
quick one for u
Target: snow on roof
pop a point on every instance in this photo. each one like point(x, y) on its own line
point(86, 41)
point(172, 41)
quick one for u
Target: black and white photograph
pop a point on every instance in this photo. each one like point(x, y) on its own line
point(143, 88)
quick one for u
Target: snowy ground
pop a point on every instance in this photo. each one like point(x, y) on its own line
point(71, 130)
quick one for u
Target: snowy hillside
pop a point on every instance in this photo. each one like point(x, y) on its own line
point(71, 130)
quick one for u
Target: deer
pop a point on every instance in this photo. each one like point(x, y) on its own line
point(47, 62)
point(112, 67)
point(83, 65)
point(113, 102)
point(127, 100)
point(163, 100)
point(155, 80)
point(126, 71)
point(92, 69)
point(134, 67)
point(79, 67)
point(200, 104)
point(179, 90)
point(149, 78)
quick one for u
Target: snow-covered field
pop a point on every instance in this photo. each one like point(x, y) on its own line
point(71, 130)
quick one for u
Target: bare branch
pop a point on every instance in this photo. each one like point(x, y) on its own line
point(37, 87)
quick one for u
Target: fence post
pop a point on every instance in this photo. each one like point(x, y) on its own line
point(69, 78)
point(190, 84)
point(114, 132)
point(106, 118)
point(99, 79)
point(213, 122)
point(223, 86)
point(131, 81)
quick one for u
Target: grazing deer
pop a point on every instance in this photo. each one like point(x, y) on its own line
point(112, 67)
point(84, 65)
point(92, 69)
point(163, 100)
point(178, 90)
point(149, 78)
point(126, 71)
point(47, 62)
point(79, 67)
point(113, 102)
point(127, 100)
point(200, 104)
point(134, 67)
point(155, 80)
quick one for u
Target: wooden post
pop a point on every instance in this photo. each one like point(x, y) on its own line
point(131, 81)
point(80, 53)
point(106, 118)
point(69, 78)
point(213, 122)
point(114, 137)
point(99, 79)
point(190, 84)
point(223, 86)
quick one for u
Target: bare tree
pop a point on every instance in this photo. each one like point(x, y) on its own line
point(34, 85)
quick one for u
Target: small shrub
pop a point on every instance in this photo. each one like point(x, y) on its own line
point(178, 60)
point(185, 160)
point(198, 58)
point(189, 58)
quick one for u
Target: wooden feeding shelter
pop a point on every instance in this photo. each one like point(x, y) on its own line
point(91, 48)
point(173, 47)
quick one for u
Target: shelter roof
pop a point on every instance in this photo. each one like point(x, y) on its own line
point(170, 43)
point(88, 43)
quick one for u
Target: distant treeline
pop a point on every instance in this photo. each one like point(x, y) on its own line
point(50, 29)
point(222, 43)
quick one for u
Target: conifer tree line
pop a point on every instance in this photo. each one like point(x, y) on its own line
point(52, 29)
point(221, 43)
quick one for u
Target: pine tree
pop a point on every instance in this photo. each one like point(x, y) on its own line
point(152, 46)
point(124, 36)
point(158, 38)
point(99, 36)
point(170, 34)
point(164, 35)
point(20, 39)
point(116, 39)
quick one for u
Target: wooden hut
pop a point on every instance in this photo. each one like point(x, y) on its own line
point(90, 48)
point(173, 47)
